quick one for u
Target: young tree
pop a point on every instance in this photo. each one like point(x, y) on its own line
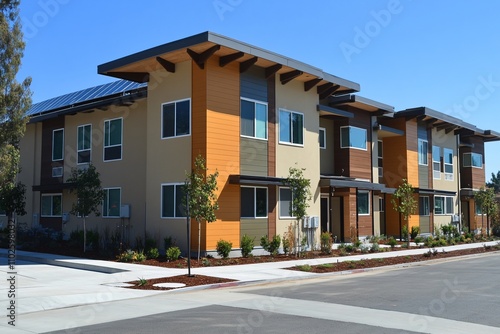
point(485, 199)
point(405, 203)
point(301, 195)
point(200, 189)
point(15, 100)
point(495, 182)
point(89, 195)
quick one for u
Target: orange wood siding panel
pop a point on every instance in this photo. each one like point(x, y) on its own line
point(412, 153)
point(395, 156)
point(222, 145)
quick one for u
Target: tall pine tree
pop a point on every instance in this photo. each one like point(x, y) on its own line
point(15, 100)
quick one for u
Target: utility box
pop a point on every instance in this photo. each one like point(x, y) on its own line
point(125, 211)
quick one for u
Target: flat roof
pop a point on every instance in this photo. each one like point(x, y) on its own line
point(136, 66)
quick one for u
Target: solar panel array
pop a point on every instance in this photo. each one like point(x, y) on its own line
point(88, 94)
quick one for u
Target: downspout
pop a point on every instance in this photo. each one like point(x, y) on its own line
point(459, 185)
point(357, 216)
point(371, 172)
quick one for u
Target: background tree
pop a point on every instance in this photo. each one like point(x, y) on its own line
point(495, 182)
point(15, 100)
point(200, 189)
point(89, 195)
point(301, 195)
point(404, 202)
point(485, 199)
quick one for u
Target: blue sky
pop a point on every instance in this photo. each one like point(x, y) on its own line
point(406, 53)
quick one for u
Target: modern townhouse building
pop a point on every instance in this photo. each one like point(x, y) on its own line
point(252, 114)
point(435, 157)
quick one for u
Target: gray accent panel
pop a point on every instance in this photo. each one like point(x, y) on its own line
point(425, 224)
point(254, 228)
point(422, 131)
point(253, 84)
point(423, 176)
point(253, 157)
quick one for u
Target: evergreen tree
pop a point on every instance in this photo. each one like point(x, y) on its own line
point(15, 100)
point(495, 182)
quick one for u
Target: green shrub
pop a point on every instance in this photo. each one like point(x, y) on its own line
point(246, 245)
point(375, 247)
point(153, 253)
point(349, 248)
point(415, 230)
point(357, 243)
point(404, 233)
point(142, 282)
point(127, 256)
point(173, 253)
point(418, 239)
point(223, 248)
point(392, 242)
point(286, 246)
point(326, 242)
point(304, 267)
point(364, 249)
point(271, 246)
point(140, 256)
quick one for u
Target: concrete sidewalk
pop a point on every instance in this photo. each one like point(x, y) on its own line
point(47, 281)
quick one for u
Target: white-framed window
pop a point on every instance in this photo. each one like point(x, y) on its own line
point(443, 205)
point(285, 203)
point(353, 137)
point(424, 208)
point(253, 118)
point(113, 139)
point(436, 162)
point(381, 204)
point(474, 160)
point(176, 119)
point(84, 143)
point(51, 205)
point(380, 155)
point(172, 200)
point(112, 202)
point(322, 138)
point(291, 127)
point(253, 202)
point(363, 201)
point(423, 149)
point(57, 144)
point(478, 209)
point(448, 164)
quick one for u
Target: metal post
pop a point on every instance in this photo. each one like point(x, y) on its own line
point(188, 223)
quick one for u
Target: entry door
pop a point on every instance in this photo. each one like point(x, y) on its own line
point(325, 214)
point(337, 227)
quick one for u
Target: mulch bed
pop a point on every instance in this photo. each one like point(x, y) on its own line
point(327, 268)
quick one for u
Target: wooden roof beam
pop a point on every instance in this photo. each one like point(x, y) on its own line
point(167, 65)
point(328, 91)
point(201, 58)
point(289, 76)
point(245, 65)
point(308, 85)
point(224, 60)
point(271, 70)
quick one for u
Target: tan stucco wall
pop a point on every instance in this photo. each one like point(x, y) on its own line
point(327, 154)
point(127, 173)
point(293, 97)
point(167, 159)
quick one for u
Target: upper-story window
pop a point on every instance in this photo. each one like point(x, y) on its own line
point(353, 137)
point(176, 119)
point(380, 156)
point(58, 145)
point(448, 164)
point(473, 160)
point(422, 152)
point(322, 138)
point(436, 162)
point(253, 119)
point(291, 127)
point(113, 138)
point(84, 143)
